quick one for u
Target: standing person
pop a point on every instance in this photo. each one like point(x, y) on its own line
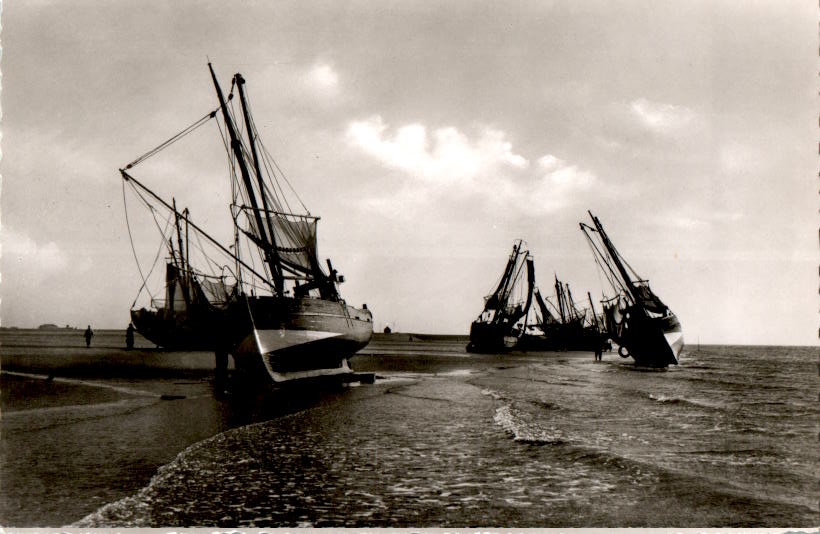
point(88, 334)
point(129, 336)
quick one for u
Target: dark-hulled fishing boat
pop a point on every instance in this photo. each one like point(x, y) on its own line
point(502, 323)
point(634, 318)
point(563, 325)
point(279, 316)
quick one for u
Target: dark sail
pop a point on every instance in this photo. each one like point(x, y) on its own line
point(546, 316)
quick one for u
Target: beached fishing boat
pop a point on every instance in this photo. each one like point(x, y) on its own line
point(562, 325)
point(634, 317)
point(502, 323)
point(266, 300)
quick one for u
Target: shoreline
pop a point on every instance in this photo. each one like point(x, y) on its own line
point(83, 427)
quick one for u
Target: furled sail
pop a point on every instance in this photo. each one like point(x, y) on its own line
point(648, 299)
point(546, 316)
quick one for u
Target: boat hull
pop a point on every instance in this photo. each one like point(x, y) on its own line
point(279, 338)
point(651, 341)
point(179, 330)
point(564, 338)
point(491, 338)
point(297, 338)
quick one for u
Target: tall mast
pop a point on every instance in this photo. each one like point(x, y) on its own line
point(559, 295)
point(182, 253)
point(494, 301)
point(615, 257)
point(573, 312)
point(185, 214)
point(236, 145)
point(509, 272)
point(530, 288)
point(594, 316)
point(240, 82)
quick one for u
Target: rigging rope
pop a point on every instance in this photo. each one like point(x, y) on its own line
point(610, 274)
point(134, 250)
point(272, 160)
point(131, 239)
point(173, 139)
point(154, 264)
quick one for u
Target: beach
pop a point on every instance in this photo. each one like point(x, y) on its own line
point(104, 437)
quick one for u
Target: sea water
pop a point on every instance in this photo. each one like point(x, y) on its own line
point(728, 438)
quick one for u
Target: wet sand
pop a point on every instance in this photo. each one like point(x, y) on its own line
point(103, 437)
point(82, 427)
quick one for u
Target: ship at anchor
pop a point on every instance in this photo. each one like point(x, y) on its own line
point(265, 299)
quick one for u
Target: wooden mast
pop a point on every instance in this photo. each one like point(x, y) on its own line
point(559, 295)
point(182, 252)
point(240, 82)
point(615, 258)
point(594, 316)
point(236, 145)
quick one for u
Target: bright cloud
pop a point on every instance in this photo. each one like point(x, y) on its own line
point(659, 117)
point(447, 161)
point(20, 250)
point(446, 156)
point(323, 77)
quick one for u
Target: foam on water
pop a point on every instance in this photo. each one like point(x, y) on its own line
point(511, 421)
point(457, 372)
point(427, 448)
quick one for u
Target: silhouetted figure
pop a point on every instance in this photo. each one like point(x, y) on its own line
point(129, 336)
point(387, 330)
point(88, 334)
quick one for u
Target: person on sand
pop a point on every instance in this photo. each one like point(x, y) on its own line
point(88, 334)
point(599, 351)
point(129, 336)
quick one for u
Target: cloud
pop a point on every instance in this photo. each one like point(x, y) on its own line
point(322, 77)
point(36, 258)
point(447, 156)
point(448, 164)
point(660, 118)
point(556, 185)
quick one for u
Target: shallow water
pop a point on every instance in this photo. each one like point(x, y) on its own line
point(726, 439)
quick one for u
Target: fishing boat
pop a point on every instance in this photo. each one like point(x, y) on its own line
point(502, 323)
point(562, 325)
point(265, 299)
point(634, 317)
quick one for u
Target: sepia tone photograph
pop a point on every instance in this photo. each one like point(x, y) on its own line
point(409, 264)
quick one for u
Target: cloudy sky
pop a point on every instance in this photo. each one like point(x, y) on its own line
point(428, 136)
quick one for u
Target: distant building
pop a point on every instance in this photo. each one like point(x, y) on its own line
point(48, 326)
